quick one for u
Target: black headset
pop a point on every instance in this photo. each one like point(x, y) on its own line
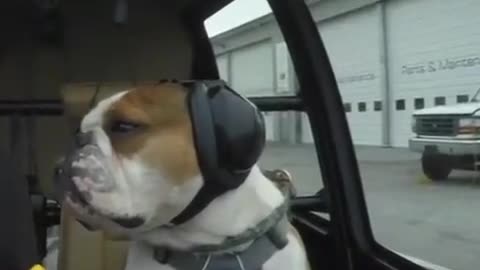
point(229, 137)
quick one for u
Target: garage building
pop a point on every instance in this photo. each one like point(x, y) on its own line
point(389, 57)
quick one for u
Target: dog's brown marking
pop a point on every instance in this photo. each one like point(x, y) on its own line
point(164, 137)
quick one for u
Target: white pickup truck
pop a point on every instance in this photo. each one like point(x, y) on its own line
point(448, 138)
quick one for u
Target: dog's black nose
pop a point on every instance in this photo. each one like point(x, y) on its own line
point(83, 138)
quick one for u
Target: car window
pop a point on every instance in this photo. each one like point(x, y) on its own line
point(419, 175)
point(256, 62)
point(406, 71)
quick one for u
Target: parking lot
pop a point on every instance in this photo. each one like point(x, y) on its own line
point(435, 221)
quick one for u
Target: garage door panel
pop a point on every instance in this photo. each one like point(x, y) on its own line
point(431, 56)
point(252, 69)
point(352, 43)
point(361, 122)
point(352, 39)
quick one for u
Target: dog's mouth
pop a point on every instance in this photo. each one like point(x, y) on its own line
point(87, 212)
point(83, 173)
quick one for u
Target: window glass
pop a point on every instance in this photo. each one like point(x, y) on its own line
point(400, 105)
point(299, 159)
point(419, 103)
point(422, 197)
point(362, 106)
point(347, 107)
point(422, 200)
point(462, 98)
point(439, 101)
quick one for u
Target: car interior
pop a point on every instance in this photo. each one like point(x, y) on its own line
point(60, 57)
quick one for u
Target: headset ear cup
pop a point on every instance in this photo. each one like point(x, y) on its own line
point(239, 130)
point(229, 137)
point(229, 131)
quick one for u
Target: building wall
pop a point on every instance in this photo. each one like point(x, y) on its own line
point(285, 125)
point(358, 69)
point(385, 52)
point(430, 56)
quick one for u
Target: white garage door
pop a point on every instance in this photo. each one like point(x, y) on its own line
point(252, 74)
point(432, 54)
point(352, 42)
point(222, 64)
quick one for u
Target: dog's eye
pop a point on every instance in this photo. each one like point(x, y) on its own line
point(123, 126)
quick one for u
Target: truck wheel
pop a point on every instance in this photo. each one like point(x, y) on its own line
point(436, 167)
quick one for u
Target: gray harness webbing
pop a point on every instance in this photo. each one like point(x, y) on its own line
point(268, 236)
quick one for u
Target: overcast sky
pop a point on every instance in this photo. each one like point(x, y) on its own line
point(236, 13)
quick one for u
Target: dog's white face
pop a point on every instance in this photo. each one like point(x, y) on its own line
point(146, 166)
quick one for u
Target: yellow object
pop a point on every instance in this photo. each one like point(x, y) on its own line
point(37, 267)
point(423, 179)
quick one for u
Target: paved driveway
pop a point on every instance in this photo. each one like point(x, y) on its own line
point(438, 222)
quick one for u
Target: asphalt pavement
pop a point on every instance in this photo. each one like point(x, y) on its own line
point(435, 221)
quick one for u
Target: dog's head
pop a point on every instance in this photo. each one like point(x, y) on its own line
point(135, 165)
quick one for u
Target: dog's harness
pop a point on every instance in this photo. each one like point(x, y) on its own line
point(269, 236)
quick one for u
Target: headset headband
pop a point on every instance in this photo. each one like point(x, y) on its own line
point(229, 137)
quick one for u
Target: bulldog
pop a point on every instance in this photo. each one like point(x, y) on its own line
point(135, 168)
